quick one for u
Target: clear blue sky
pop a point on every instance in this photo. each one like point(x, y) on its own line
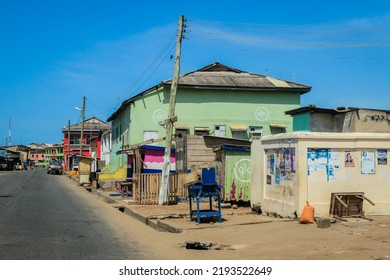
point(55, 52)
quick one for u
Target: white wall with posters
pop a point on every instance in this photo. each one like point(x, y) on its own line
point(292, 168)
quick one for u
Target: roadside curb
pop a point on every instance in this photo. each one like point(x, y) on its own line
point(160, 226)
point(154, 222)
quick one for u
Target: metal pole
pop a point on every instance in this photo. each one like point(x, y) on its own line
point(82, 127)
point(163, 195)
point(67, 161)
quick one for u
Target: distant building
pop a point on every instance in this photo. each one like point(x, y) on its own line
point(93, 129)
point(55, 152)
point(37, 152)
point(341, 119)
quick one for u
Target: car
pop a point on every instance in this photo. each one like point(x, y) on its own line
point(55, 168)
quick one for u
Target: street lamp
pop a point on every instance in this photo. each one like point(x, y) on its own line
point(82, 125)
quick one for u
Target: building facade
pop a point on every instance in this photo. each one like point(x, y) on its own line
point(291, 169)
point(75, 146)
point(215, 100)
point(341, 119)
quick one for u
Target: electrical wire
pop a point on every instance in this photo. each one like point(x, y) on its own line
point(148, 72)
point(224, 32)
point(155, 60)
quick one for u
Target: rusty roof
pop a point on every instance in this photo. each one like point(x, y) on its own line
point(219, 76)
point(92, 124)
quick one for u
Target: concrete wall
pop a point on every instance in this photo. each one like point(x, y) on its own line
point(315, 181)
point(365, 120)
point(321, 122)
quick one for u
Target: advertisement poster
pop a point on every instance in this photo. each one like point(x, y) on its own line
point(317, 159)
point(272, 164)
point(334, 164)
point(382, 157)
point(368, 162)
point(277, 169)
point(348, 159)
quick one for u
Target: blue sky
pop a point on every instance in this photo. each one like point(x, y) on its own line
point(55, 52)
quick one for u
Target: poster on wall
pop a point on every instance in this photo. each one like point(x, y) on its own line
point(317, 159)
point(368, 162)
point(348, 159)
point(334, 164)
point(382, 157)
point(281, 164)
point(277, 170)
point(272, 164)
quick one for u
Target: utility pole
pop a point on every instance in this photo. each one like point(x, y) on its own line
point(67, 162)
point(163, 195)
point(9, 133)
point(82, 126)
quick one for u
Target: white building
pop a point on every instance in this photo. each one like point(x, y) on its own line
point(292, 168)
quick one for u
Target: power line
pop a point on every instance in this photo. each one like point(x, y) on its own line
point(245, 34)
point(155, 60)
point(149, 70)
point(292, 28)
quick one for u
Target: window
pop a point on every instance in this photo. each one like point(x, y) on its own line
point(239, 131)
point(182, 130)
point(201, 131)
point(239, 134)
point(220, 130)
point(75, 139)
point(255, 131)
point(150, 134)
point(278, 128)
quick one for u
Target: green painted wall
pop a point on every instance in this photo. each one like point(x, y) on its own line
point(209, 108)
point(200, 108)
point(234, 173)
point(120, 137)
point(301, 122)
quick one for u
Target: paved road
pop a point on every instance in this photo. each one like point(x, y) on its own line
point(49, 217)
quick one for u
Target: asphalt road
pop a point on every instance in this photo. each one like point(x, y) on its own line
point(49, 217)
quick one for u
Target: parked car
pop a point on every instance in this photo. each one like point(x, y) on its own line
point(54, 168)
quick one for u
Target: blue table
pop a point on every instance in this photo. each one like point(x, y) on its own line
point(208, 188)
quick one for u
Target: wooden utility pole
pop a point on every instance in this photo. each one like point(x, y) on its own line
point(67, 162)
point(82, 126)
point(163, 195)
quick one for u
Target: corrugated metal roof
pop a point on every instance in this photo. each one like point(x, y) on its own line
point(219, 76)
point(92, 124)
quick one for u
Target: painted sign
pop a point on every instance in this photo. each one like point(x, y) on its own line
point(159, 116)
point(243, 171)
point(262, 114)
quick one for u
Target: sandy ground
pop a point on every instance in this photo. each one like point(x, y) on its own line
point(289, 240)
point(244, 235)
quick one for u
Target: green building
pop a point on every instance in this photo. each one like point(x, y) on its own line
point(215, 100)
